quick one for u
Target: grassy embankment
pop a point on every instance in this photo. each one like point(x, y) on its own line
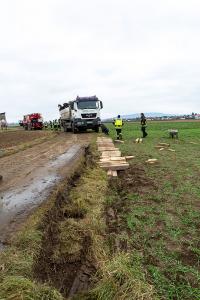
point(66, 231)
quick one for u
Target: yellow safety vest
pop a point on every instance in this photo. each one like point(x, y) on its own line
point(118, 123)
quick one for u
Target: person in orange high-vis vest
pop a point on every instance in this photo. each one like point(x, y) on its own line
point(118, 123)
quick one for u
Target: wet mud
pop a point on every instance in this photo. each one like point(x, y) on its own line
point(18, 202)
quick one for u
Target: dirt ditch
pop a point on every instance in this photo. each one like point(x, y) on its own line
point(66, 260)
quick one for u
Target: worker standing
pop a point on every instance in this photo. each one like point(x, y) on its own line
point(104, 129)
point(59, 124)
point(118, 123)
point(143, 125)
point(55, 125)
point(45, 125)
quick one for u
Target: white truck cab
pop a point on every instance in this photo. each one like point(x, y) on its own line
point(81, 114)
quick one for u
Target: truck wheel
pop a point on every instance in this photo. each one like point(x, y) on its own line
point(74, 129)
point(96, 129)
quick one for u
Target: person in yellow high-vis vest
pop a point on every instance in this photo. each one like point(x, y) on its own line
point(118, 123)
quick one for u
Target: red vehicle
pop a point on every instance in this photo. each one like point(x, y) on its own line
point(33, 121)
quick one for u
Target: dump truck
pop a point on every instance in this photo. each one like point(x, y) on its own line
point(33, 121)
point(81, 114)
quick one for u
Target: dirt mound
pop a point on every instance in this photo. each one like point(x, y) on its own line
point(134, 179)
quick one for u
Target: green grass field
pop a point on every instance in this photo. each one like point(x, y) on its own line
point(138, 233)
point(159, 207)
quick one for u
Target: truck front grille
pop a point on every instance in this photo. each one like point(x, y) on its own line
point(88, 116)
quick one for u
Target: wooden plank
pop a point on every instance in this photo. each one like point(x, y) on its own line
point(129, 157)
point(104, 140)
point(114, 158)
point(152, 160)
point(116, 167)
point(105, 145)
point(110, 165)
point(172, 150)
point(114, 173)
point(111, 153)
point(101, 149)
point(109, 172)
point(113, 163)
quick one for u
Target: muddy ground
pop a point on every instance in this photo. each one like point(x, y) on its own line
point(29, 175)
point(19, 136)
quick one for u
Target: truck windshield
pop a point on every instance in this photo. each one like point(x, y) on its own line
point(87, 105)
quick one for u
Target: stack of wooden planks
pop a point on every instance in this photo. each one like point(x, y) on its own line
point(111, 159)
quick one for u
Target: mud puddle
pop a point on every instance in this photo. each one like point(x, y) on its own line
point(16, 203)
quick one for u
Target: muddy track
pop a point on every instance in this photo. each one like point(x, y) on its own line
point(17, 167)
point(29, 176)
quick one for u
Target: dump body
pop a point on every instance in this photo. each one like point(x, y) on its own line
point(33, 121)
point(81, 114)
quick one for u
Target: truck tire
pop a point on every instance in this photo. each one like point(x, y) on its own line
point(74, 129)
point(96, 129)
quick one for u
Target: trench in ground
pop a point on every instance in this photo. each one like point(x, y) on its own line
point(70, 271)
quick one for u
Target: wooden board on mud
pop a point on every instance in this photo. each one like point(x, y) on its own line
point(111, 153)
point(111, 159)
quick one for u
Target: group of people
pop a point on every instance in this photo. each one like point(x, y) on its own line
point(118, 123)
point(53, 125)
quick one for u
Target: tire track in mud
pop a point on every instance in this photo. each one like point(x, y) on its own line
point(17, 203)
point(29, 176)
point(15, 167)
point(70, 271)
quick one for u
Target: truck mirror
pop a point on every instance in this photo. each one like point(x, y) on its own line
point(101, 104)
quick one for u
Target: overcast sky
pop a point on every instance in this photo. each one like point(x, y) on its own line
point(135, 55)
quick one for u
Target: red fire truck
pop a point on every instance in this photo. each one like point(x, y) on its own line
point(33, 121)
